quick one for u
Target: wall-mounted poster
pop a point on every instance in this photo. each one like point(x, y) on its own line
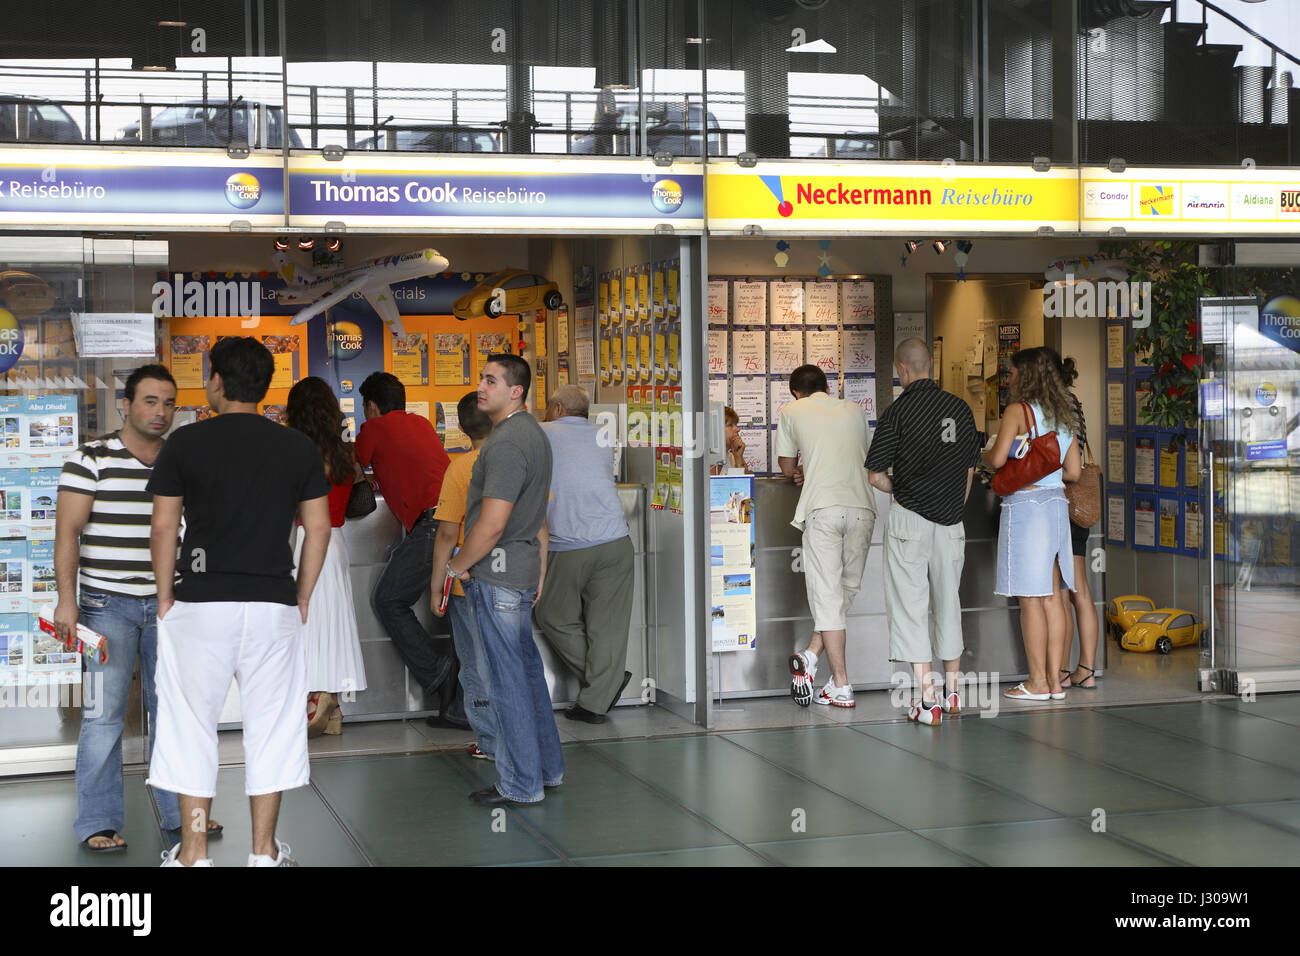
point(718, 301)
point(717, 353)
point(1116, 508)
point(1193, 527)
point(787, 300)
point(748, 352)
point(1144, 522)
point(411, 358)
point(749, 303)
point(821, 303)
point(1115, 404)
point(858, 303)
point(859, 350)
point(786, 349)
point(1144, 460)
point(451, 362)
point(731, 563)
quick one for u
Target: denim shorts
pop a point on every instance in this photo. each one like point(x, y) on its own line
point(1033, 534)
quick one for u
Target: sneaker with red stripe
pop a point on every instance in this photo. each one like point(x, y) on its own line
point(801, 680)
point(924, 713)
point(833, 696)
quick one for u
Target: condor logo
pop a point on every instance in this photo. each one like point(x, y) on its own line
point(1290, 202)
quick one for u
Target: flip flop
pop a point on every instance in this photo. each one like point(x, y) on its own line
point(108, 834)
point(1024, 694)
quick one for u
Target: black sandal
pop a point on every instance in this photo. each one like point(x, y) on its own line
point(1069, 677)
point(1092, 675)
point(108, 835)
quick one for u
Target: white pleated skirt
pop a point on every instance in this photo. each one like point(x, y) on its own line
point(331, 643)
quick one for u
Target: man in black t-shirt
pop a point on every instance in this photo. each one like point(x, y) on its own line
point(236, 611)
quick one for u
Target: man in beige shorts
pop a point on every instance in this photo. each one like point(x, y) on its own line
point(836, 513)
point(928, 437)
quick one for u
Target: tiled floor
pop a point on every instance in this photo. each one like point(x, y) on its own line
point(1199, 782)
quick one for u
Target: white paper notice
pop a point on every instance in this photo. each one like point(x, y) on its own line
point(1115, 460)
point(1193, 529)
point(824, 350)
point(1144, 522)
point(749, 353)
point(749, 399)
point(786, 346)
point(749, 303)
point(822, 303)
point(859, 350)
point(718, 390)
point(718, 301)
point(1144, 460)
point(1115, 346)
point(717, 351)
point(909, 325)
point(1115, 404)
point(755, 440)
point(859, 306)
point(862, 391)
point(1114, 517)
point(780, 398)
point(114, 333)
point(787, 303)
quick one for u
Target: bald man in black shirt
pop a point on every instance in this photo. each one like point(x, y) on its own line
point(928, 437)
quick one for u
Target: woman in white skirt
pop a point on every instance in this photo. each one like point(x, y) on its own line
point(332, 645)
point(1034, 553)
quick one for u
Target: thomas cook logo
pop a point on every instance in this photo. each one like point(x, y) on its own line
point(666, 195)
point(243, 190)
point(1157, 201)
point(11, 340)
point(345, 340)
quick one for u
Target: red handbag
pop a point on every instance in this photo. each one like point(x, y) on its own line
point(1042, 458)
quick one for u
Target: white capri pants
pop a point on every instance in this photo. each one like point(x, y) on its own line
point(835, 543)
point(923, 563)
point(201, 647)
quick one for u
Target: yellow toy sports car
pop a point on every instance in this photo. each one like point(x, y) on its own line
point(1162, 630)
point(508, 292)
point(1122, 612)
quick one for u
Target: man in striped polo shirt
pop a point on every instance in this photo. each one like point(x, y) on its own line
point(102, 543)
point(928, 437)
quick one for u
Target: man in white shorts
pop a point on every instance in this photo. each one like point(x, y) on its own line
point(928, 437)
point(236, 611)
point(836, 513)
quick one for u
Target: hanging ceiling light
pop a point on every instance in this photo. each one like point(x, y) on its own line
point(912, 245)
point(940, 246)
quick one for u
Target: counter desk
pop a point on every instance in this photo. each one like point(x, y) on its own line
point(390, 691)
point(990, 624)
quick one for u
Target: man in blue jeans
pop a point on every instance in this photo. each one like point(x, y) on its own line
point(504, 562)
point(102, 543)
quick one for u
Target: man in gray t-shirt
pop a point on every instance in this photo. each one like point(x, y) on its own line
point(502, 563)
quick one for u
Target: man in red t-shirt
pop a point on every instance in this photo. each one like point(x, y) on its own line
point(409, 462)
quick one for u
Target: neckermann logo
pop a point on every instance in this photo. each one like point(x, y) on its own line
point(76, 909)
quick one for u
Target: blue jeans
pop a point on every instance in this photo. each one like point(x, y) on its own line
point(475, 675)
point(131, 626)
point(528, 748)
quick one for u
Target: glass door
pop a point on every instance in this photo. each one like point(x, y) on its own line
point(1251, 442)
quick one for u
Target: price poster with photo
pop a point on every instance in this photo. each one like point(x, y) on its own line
point(749, 303)
point(448, 427)
point(1169, 523)
point(491, 343)
point(787, 303)
point(732, 610)
point(748, 352)
point(1193, 527)
point(1141, 401)
point(858, 303)
point(1168, 465)
point(824, 350)
point(821, 303)
point(451, 362)
point(1144, 522)
point(585, 345)
point(1191, 462)
point(562, 330)
point(786, 348)
point(859, 350)
point(411, 358)
point(1144, 460)
point(189, 360)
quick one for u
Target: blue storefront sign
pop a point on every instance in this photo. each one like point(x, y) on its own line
point(1279, 320)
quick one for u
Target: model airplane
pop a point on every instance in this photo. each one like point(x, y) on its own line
point(373, 279)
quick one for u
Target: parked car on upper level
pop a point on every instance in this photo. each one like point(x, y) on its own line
point(669, 128)
point(214, 124)
point(434, 139)
point(34, 119)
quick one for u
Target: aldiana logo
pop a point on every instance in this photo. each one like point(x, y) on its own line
point(666, 195)
point(243, 190)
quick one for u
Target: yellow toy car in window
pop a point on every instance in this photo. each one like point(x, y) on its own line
point(1122, 612)
point(1162, 630)
point(519, 292)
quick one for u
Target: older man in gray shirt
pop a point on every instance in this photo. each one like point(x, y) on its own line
point(586, 605)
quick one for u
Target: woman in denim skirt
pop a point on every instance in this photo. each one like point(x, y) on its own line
point(1034, 554)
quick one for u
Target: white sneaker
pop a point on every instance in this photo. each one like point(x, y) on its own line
point(952, 704)
point(803, 668)
point(172, 858)
point(836, 696)
point(924, 713)
point(282, 857)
